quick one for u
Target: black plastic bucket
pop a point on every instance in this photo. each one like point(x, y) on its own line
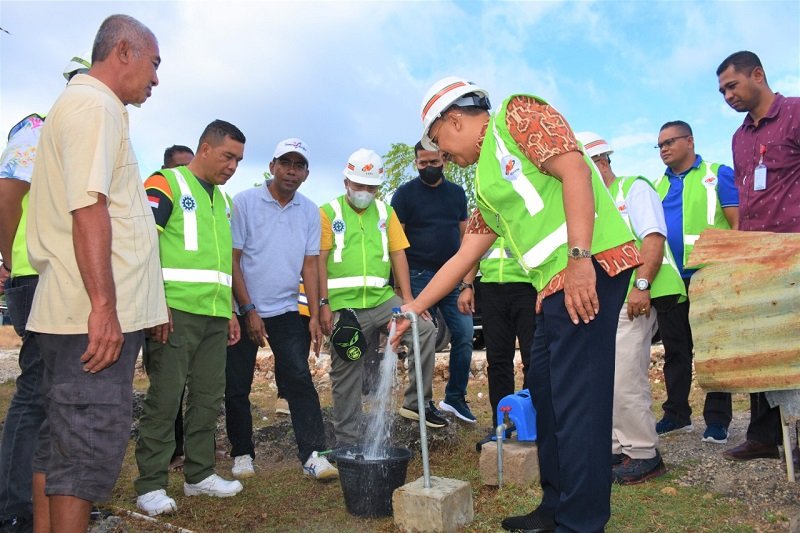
point(368, 484)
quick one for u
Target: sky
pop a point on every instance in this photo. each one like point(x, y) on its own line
point(347, 75)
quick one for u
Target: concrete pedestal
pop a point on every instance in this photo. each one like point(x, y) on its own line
point(520, 463)
point(445, 507)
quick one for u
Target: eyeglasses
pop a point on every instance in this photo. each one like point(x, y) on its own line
point(669, 142)
point(288, 163)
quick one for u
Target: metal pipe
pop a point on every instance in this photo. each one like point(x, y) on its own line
point(423, 431)
point(500, 433)
point(787, 447)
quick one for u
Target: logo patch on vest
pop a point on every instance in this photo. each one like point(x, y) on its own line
point(710, 181)
point(188, 203)
point(338, 226)
point(511, 167)
point(382, 225)
point(622, 208)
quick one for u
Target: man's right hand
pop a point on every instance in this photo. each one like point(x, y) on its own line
point(466, 302)
point(105, 340)
point(160, 333)
point(255, 328)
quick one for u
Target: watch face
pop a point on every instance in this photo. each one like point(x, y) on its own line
point(642, 284)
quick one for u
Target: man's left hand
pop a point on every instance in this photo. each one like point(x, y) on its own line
point(580, 291)
point(316, 335)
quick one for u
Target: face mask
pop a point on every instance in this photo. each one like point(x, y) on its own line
point(360, 199)
point(431, 175)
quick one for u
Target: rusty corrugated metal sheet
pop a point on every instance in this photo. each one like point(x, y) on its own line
point(745, 311)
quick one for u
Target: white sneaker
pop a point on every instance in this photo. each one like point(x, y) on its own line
point(213, 485)
point(243, 467)
point(156, 502)
point(319, 468)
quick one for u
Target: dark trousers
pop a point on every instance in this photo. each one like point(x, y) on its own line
point(508, 311)
point(290, 342)
point(765, 421)
point(572, 387)
point(26, 411)
point(676, 334)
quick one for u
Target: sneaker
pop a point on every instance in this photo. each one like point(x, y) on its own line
point(282, 407)
point(633, 471)
point(665, 426)
point(243, 467)
point(320, 469)
point(617, 458)
point(432, 420)
point(213, 485)
point(459, 408)
point(716, 434)
point(156, 502)
point(435, 410)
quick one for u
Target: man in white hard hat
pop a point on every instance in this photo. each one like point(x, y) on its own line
point(275, 242)
point(634, 439)
point(538, 190)
point(26, 411)
point(92, 239)
point(362, 242)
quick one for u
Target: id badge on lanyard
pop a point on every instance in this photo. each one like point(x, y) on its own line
point(760, 174)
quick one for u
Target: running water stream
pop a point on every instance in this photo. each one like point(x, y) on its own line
point(381, 406)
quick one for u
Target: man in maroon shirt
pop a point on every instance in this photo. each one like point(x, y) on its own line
point(766, 161)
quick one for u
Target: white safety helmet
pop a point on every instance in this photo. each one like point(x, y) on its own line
point(364, 167)
point(593, 144)
point(444, 93)
point(78, 64)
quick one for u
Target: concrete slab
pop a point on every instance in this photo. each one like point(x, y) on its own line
point(520, 463)
point(445, 507)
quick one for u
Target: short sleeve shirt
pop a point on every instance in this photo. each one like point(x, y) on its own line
point(274, 241)
point(85, 150)
point(17, 159)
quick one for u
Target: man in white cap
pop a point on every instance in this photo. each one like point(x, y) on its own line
point(655, 283)
point(275, 242)
point(362, 241)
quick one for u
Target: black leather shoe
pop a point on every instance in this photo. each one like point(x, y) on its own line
point(533, 522)
point(752, 449)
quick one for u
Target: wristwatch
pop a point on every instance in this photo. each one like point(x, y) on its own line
point(642, 284)
point(244, 309)
point(579, 253)
point(323, 301)
point(464, 285)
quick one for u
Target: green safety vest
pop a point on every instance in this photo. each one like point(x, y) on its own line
point(526, 206)
point(499, 266)
point(668, 280)
point(701, 207)
point(19, 249)
point(358, 264)
point(196, 247)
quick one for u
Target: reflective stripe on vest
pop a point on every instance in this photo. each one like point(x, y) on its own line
point(338, 236)
point(498, 253)
point(189, 216)
point(523, 187)
point(357, 281)
point(384, 221)
point(710, 183)
point(187, 275)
